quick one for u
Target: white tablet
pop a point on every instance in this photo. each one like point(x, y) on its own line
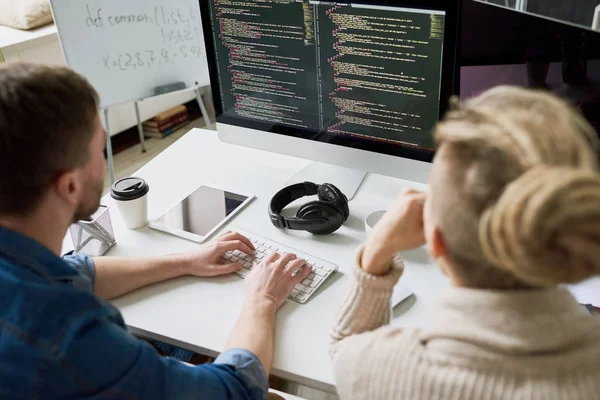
point(201, 214)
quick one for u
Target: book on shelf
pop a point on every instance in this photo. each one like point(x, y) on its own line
point(168, 114)
point(167, 124)
point(166, 132)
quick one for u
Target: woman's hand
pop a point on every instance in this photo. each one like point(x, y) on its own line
point(400, 229)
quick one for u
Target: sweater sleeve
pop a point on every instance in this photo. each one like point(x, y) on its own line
point(367, 305)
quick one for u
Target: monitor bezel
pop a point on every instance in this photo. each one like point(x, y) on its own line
point(450, 83)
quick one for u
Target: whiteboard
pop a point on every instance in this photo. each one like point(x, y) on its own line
point(126, 48)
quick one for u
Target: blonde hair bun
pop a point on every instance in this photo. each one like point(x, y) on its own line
point(545, 227)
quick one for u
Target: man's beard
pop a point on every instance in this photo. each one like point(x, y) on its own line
point(91, 203)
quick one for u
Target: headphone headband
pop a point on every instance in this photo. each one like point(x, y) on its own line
point(290, 194)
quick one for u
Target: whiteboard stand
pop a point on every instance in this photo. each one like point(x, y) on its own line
point(140, 127)
point(109, 152)
point(202, 108)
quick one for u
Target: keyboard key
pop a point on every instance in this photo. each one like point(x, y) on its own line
point(237, 253)
point(247, 265)
point(260, 256)
point(311, 276)
point(306, 282)
point(261, 249)
point(302, 297)
point(294, 293)
point(319, 272)
point(313, 284)
point(317, 279)
point(304, 289)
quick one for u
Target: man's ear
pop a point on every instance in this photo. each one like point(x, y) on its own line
point(437, 248)
point(68, 187)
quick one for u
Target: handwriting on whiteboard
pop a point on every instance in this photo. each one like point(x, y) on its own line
point(148, 58)
point(179, 30)
point(160, 16)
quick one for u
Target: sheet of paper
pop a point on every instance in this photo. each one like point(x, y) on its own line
point(587, 292)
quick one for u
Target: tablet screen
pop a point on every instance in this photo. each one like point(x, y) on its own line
point(202, 211)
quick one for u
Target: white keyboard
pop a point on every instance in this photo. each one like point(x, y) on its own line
point(304, 290)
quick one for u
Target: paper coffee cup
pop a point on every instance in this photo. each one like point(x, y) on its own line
point(131, 197)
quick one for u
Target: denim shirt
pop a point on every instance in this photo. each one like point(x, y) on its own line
point(57, 340)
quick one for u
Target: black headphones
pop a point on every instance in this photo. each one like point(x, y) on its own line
point(320, 217)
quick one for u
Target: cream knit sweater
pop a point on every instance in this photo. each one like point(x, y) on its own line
point(481, 344)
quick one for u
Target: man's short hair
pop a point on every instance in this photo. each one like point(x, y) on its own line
point(47, 120)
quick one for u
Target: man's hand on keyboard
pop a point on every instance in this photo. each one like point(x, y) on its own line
point(304, 289)
point(276, 276)
point(206, 261)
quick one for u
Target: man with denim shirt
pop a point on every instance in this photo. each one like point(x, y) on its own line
point(58, 337)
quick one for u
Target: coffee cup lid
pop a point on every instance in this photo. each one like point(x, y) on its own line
point(131, 188)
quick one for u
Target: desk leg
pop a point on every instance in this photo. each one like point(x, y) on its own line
point(109, 152)
point(203, 109)
point(140, 128)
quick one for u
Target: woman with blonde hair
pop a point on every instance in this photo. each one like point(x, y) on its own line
point(512, 211)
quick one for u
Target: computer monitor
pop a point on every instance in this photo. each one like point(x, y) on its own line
point(356, 85)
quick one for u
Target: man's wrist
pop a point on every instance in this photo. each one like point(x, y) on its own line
point(262, 304)
point(177, 264)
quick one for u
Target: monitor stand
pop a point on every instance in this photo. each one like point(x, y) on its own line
point(346, 179)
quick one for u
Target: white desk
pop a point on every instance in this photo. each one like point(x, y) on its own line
point(198, 314)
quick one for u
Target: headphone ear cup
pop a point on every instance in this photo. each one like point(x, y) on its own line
point(321, 209)
point(330, 193)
